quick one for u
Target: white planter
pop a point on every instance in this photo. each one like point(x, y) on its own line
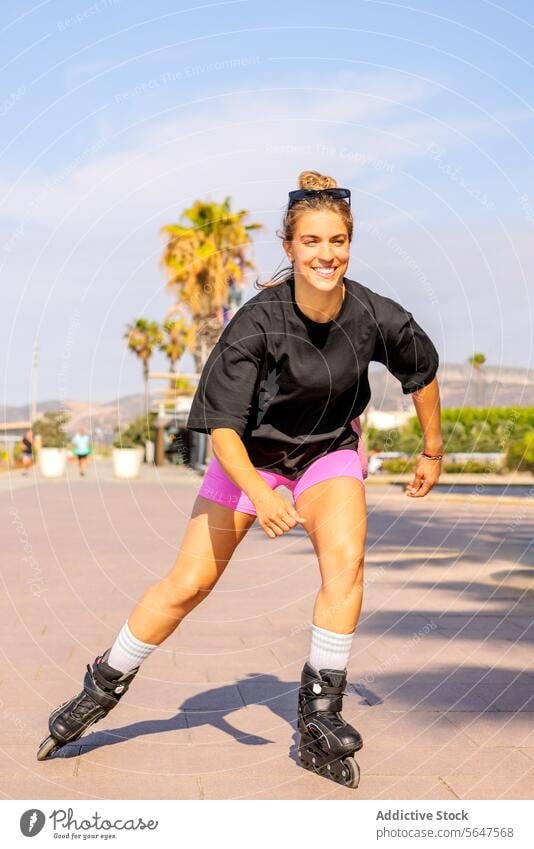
point(150, 450)
point(52, 462)
point(127, 462)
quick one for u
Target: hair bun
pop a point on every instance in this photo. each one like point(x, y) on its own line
point(315, 180)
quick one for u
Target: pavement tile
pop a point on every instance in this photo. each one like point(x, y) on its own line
point(22, 776)
point(495, 728)
point(387, 729)
point(417, 694)
point(209, 641)
point(291, 651)
point(508, 697)
point(481, 628)
point(163, 753)
point(114, 783)
point(492, 786)
point(288, 781)
point(217, 759)
point(262, 633)
point(23, 725)
point(251, 725)
point(81, 777)
point(488, 664)
point(448, 759)
point(388, 651)
point(403, 623)
point(21, 785)
point(483, 676)
point(270, 691)
point(403, 787)
point(229, 669)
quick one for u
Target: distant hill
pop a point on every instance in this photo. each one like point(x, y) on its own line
point(499, 387)
point(459, 387)
point(95, 415)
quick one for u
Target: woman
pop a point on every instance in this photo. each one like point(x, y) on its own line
point(26, 454)
point(81, 448)
point(278, 395)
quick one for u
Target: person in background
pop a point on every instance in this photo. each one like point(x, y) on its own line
point(81, 448)
point(27, 451)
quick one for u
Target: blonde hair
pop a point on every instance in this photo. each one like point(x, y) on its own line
point(308, 180)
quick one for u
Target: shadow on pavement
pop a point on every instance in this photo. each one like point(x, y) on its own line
point(477, 689)
point(512, 625)
point(265, 690)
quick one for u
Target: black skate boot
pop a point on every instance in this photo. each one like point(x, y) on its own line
point(327, 742)
point(103, 687)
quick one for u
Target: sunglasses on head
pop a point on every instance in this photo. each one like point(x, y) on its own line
point(304, 194)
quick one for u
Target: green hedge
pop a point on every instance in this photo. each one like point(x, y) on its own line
point(398, 466)
point(468, 429)
point(520, 454)
point(472, 467)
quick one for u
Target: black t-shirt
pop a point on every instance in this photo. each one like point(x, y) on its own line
point(290, 386)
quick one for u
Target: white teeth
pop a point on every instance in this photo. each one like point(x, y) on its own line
point(325, 272)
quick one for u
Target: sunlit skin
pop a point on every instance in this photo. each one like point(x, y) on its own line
point(320, 250)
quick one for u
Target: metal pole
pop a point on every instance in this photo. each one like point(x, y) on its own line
point(35, 369)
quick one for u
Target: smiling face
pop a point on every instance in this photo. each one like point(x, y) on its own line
point(320, 249)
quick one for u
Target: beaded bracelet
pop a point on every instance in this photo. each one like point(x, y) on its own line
point(432, 456)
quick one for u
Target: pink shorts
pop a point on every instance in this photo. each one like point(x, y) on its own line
point(217, 486)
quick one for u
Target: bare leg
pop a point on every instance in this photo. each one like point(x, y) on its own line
point(211, 537)
point(337, 525)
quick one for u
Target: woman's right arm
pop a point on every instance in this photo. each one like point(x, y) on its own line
point(275, 514)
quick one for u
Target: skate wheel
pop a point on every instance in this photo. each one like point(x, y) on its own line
point(349, 773)
point(47, 748)
point(307, 759)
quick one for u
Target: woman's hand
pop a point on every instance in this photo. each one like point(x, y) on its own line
point(275, 514)
point(426, 475)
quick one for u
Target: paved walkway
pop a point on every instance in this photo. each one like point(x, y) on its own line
point(442, 678)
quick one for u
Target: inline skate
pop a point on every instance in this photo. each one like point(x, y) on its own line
point(103, 687)
point(327, 742)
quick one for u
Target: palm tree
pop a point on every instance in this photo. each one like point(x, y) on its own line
point(203, 258)
point(476, 362)
point(174, 341)
point(143, 337)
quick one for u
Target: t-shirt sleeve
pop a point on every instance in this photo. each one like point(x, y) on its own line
point(403, 346)
point(226, 389)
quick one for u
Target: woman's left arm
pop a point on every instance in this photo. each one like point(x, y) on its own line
point(428, 408)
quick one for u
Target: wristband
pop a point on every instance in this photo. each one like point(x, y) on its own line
point(432, 456)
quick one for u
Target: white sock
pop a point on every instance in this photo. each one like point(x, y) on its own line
point(127, 651)
point(329, 650)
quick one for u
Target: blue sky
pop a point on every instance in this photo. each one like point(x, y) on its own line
point(116, 115)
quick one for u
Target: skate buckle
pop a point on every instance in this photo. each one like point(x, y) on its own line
point(317, 688)
point(118, 689)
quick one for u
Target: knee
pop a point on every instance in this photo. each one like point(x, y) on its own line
point(342, 566)
point(181, 594)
